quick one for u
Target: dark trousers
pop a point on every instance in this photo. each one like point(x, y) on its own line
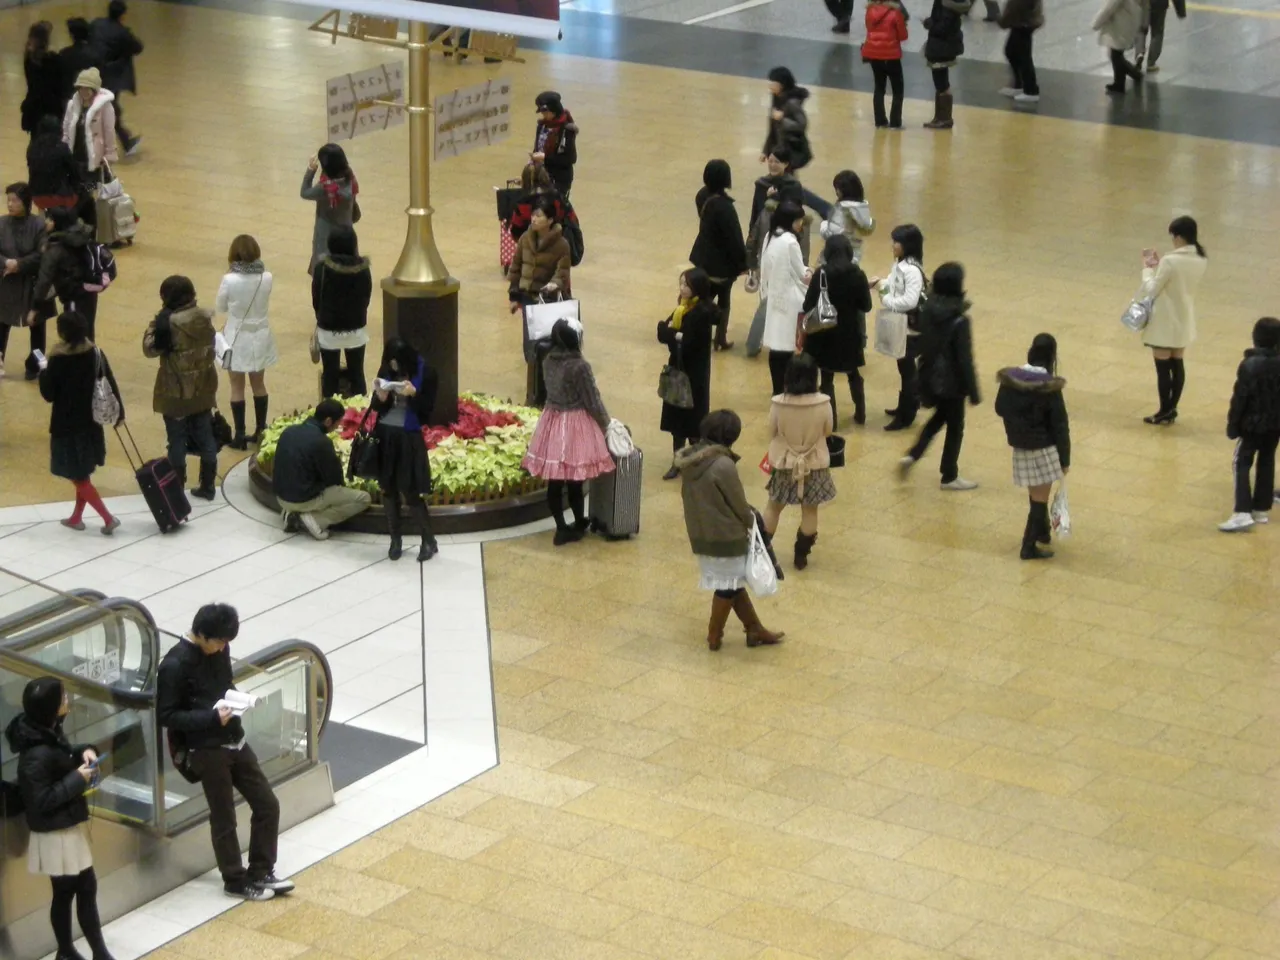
point(948, 413)
point(842, 10)
point(1260, 447)
point(562, 177)
point(887, 72)
point(908, 384)
point(331, 369)
point(1159, 11)
point(122, 132)
point(857, 392)
point(778, 360)
point(1017, 50)
point(36, 332)
point(941, 79)
point(197, 431)
point(1121, 69)
point(722, 293)
point(222, 772)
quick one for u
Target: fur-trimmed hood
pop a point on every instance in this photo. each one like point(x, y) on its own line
point(1030, 379)
point(693, 461)
point(345, 263)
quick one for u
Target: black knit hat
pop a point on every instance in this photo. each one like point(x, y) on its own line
point(42, 701)
point(549, 100)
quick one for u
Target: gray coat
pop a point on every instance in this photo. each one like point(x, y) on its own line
point(328, 215)
point(20, 239)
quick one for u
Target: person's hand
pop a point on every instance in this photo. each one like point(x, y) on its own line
point(873, 282)
point(382, 395)
point(808, 274)
point(515, 306)
point(776, 114)
point(90, 755)
point(538, 157)
point(86, 771)
point(764, 158)
point(224, 715)
point(409, 389)
point(772, 192)
point(31, 319)
point(10, 266)
point(313, 164)
point(551, 287)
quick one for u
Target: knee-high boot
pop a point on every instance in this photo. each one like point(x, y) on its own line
point(858, 392)
point(208, 481)
point(757, 635)
point(391, 507)
point(238, 441)
point(429, 548)
point(721, 607)
point(259, 418)
point(942, 104)
point(804, 544)
point(1031, 533)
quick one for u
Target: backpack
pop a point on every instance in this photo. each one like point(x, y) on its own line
point(573, 234)
point(98, 268)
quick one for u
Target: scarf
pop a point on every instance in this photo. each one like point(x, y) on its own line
point(257, 266)
point(683, 307)
point(331, 187)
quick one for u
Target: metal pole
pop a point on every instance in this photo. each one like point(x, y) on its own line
point(420, 263)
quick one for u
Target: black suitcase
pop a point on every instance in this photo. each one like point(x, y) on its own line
point(161, 486)
point(614, 498)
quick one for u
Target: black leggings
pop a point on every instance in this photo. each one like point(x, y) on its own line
point(83, 889)
point(555, 500)
point(856, 392)
point(331, 369)
point(778, 360)
point(941, 79)
point(887, 73)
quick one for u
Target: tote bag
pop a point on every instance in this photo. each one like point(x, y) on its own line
point(105, 405)
point(891, 334)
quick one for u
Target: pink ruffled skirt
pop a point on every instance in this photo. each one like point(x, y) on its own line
point(567, 445)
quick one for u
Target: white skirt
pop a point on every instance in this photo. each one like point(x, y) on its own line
point(60, 853)
point(722, 573)
point(253, 348)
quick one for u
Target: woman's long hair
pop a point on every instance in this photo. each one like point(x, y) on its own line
point(564, 335)
point(1188, 230)
point(785, 217)
point(801, 376)
point(333, 162)
point(837, 254)
point(535, 179)
point(38, 41)
point(909, 237)
point(405, 356)
point(698, 282)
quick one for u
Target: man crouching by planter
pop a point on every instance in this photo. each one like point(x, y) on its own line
point(306, 475)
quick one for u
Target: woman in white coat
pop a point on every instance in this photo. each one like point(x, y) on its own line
point(784, 280)
point(1119, 23)
point(901, 292)
point(247, 344)
point(1171, 282)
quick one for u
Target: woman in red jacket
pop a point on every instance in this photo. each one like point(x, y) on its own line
point(886, 30)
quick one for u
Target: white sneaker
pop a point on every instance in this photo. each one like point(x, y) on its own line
point(1027, 98)
point(905, 465)
point(312, 526)
point(1010, 92)
point(1260, 516)
point(960, 483)
point(1237, 523)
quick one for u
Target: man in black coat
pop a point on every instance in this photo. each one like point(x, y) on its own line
point(306, 475)
point(116, 46)
point(79, 55)
point(1253, 421)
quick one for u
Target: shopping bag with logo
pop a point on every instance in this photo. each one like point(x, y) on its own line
point(1059, 513)
point(891, 334)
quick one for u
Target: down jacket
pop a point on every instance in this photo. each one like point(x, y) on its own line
point(187, 379)
point(717, 516)
point(792, 130)
point(1022, 15)
point(49, 781)
point(1255, 401)
point(538, 261)
point(1031, 404)
point(945, 24)
point(100, 128)
point(886, 31)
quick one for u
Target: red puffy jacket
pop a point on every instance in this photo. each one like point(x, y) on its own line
point(886, 29)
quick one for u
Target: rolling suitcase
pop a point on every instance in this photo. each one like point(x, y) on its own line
point(507, 197)
point(161, 486)
point(117, 220)
point(614, 507)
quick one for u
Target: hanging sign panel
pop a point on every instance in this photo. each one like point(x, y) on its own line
point(472, 117)
point(349, 109)
point(524, 18)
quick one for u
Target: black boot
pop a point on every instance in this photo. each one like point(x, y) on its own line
point(429, 547)
point(942, 120)
point(722, 341)
point(1031, 533)
point(993, 11)
point(804, 544)
point(259, 418)
point(238, 441)
point(894, 411)
point(208, 482)
point(858, 391)
point(1044, 529)
point(391, 507)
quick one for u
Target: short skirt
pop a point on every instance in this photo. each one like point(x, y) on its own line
point(77, 456)
point(60, 853)
point(1035, 468)
point(722, 573)
point(818, 488)
point(567, 445)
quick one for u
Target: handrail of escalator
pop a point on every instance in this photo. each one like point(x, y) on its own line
point(50, 607)
point(267, 657)
point(25, 666)
point(81, 618)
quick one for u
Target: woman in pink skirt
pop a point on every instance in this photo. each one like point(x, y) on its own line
point(568, 445)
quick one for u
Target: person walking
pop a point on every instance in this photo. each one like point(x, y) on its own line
point(307, 476)
point(947, 377)
point(1253, 421)
point(784, 280)
point(1171, 282)
point(568, 446)
point(944, 46)
point(52, 171)
point(800, 420)
point(789, 131)
point(886, 32)
point(116, 47)
point(192, 678)
point(77, 443)
point(1118, 24)
point(62, 273)
point(719, 249)
point(842, 10)
point(1157, 13)
point(1022, 18)
point(53, 777)
point(88, 128)
point(555, 141)
point(718, 520)
point(851, 215)
point(43, 75)
point(186, 388)
point(341, 288)
point(1031, 404)
point(21, 234)
point(842, 348)
point(686, 333)
point(902, 292)
point(79, 55)
point(403, 406)
point(245, 297)
point(335, 197)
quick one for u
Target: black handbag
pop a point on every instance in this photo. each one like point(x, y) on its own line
point(363, 462)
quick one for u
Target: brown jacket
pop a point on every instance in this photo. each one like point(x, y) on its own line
point(187, 381)
point(716, 513)
point(539, 261)
point(800, 426)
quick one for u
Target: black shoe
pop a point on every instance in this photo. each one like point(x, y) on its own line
point(891, 413)
point(239, 443)
point(428, 550)
point(671, 474)
point(842, 26)
point(70, 954)
point(568, 535)
point(1162, 419)
point(395, 550)
point(248, 891)
point(31, 374)
point(859, 418)
point(205, 493)
point(1032, 552)
point(275, 884)
point(897, 424)
point(1114, 88)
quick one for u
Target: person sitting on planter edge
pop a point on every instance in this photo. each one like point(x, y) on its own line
point(306, 475)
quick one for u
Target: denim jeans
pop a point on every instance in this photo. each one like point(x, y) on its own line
point(198, 430)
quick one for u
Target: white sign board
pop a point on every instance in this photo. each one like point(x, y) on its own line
point(524, 18)
point(348, 112)
point(103, 669)
point(472, 117)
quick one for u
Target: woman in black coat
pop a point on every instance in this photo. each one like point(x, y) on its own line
point(944, 47)
point(841, 350)
point(720, 249)
point(687, 334)
point(53, 777)
point(44, 78)
point(341, 288)
point(52, 172)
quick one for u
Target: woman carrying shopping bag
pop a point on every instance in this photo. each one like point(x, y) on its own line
point(900, 294)
point(687, 334)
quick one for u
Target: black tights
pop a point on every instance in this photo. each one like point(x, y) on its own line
point(1171, 377)
point(555, 500)
point(391, 502)
point(678, 442)
point(83, 889)
point(857, 391)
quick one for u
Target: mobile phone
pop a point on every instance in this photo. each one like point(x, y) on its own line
point(98, 760)
point(41, 362)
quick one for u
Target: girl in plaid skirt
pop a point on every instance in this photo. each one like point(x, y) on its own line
point(1035, 422)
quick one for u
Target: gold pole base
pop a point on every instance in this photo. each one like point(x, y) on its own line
point(420, 262)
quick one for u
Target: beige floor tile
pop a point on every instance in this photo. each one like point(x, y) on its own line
point(1226, 888)
point(1260, 861)
point(1229, 752)
point(903, 919)
point(1231, 786)
point(514, 680)
point(548, 943)
point(1245, 823)
point(1148, 799)
point(329, 886)
point(738, 839)
point(1231, 953)
point(752, 880)
point(587, 730)
point(452, 838)
point(338, 932)
point(547, 787)
point(642, 851)
point(910, 743)
point(624, 773)
point(635, 811)
point(508, 647)
point(1103, 694)
point(664, 937)
point(1233, 928)
point(1070, 849)
point(952, 785)
point(1159, 678)
point(1091, 722)
point(892, 706)
point(1126, 939)
point(574, 664)
point(735, 801)
point(439, 918)
point(363, 854)
point(733, 732)
point(1027, 770)
point(533, 749)
point(952, 820)
point(464, 880)
point(831, 790)
point(1116, 758)
point(219, 940)
point(1182, 840)
point(712, 760)
point(1017, 910)
point(619, 704)
point(978, 863)
point(879, 947)
point(988, 941)
point(1063, 813)
point(1115, 898)
point(424, 949)
point(1223, 721)
point(546, 864)
point(866, 871)
point(1003, 732)
point(525, 713)
point(857, 833)
point(577, 913)
point(792, 931)
point(788, 748)
point(653, 893)
point(781, 714)
point(557, 827)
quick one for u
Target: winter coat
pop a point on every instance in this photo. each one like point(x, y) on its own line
point(20, 239)
point(786, 189)
point(558, 142)
point(73, 60)
point(328, 214)
point(945, 348)
point(692, 354)
point(100, 128)
point(1173, 285)
point(116, 47)
point(792, 130)
point(51, 169)
point(48, 776)
point(717, 516)
point(1255, 401)
point(853, 219)
point(539, 261)
point(571, 385)
point(188, 683)
point(68, 383)
point(886, 31)
point(1034, 412)
point(903, 291)
point(306, 463)
point(945, 24)
point(341, 288)
point(782, 287)
point(840, 349)
point(245, 298)
point(719, 248)
point(63, 265)
point(799, 425)
point(523, 212)
point(1022, 15)
point(44, 90)
point(1118, 23)
point(187, 378)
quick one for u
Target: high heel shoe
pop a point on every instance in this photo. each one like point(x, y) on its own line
point(1162, 419)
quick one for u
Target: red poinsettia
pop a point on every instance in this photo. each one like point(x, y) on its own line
point(472, 423)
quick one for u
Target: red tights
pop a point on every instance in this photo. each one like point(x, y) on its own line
point(87, 493)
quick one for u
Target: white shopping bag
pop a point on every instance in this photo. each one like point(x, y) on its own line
point(762, 578)
point(891, 334)
point(1059, 514)
point(539, 318)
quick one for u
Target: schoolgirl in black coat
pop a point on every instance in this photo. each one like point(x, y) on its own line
point(942, 49)
point(687, 335)
point(841, 350)
point(720, 249)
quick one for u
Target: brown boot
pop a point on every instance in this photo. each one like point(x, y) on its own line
point(757, 635)
point(720, 610)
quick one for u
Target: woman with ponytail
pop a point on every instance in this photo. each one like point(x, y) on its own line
point(1171, 282)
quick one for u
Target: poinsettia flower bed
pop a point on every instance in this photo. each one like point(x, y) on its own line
point(475, 459)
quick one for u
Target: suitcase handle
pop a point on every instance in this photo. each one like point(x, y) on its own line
point(136, 451)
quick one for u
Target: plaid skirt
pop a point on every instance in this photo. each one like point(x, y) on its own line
point(818, 488)
point(1035, 468)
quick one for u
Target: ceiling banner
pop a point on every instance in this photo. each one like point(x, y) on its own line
point(524, 18)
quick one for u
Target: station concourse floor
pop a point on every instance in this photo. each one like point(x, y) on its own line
point(955, 754)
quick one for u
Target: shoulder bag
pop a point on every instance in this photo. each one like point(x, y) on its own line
point(822, 316)
point(762, 578)
point(674, 386)
point(1137, 315)
point(362, 464)
point(105, 403)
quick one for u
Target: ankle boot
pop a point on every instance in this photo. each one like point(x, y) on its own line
point(721, 607)
point(259, 418)
point(942, 104)
point(804, 544)
point(757, 635)
point(429, 548)
point(208, 482)
point(993, 11)
point(1029, 535)
point(391, 507)
point(238, 441)
point(722, 341)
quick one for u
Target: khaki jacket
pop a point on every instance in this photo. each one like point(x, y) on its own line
point(187, 381)
point(800, 426)
point(717, 516)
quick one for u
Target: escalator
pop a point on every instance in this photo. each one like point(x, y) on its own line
point(106, 651)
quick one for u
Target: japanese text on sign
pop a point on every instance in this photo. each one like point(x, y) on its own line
point(472, 117)
point(350, 110)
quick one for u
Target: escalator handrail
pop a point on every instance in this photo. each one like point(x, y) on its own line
point(49, 631)
point(49, 607)
point(267, 657)
point(25, 666)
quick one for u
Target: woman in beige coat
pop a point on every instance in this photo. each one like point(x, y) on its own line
point(800, 463)
point(1171, 282)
